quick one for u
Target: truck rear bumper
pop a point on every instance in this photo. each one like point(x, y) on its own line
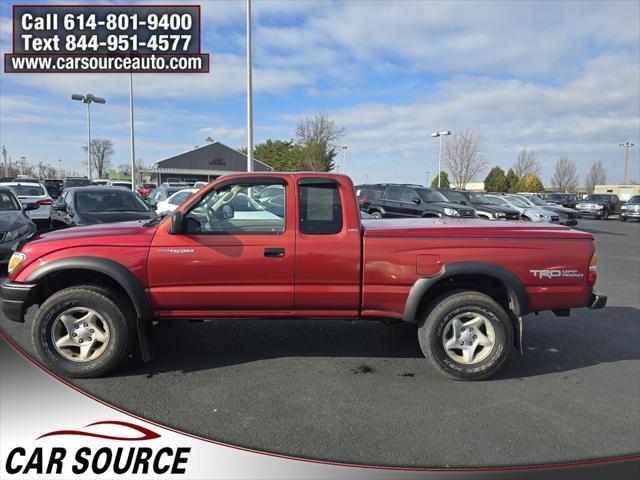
point(597, 301)
point(13, 297)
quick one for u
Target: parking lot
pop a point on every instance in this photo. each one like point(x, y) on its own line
point(362, 393)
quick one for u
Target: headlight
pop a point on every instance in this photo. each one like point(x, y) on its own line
point(500, 215)
point(451, 212)
point(15, 261)
point(18, 232)
point(623, 207)
point(599, 207)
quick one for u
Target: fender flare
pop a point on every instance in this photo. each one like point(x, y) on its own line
point(516, 290)
point(123, 277)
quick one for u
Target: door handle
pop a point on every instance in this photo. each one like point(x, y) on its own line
point(274, 252)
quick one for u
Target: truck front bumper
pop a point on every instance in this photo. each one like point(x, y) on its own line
point(597, 301)
point(13, 297)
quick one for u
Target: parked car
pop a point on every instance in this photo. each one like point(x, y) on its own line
point(15, 224)
point(33, 193)
point(631, 209)
point(599, 206)
point(199, 185)
point(527, 212)
point(398, 200)
point(566, 216)
point(100, 182)
point(484, 207)
point(91, 205)
point(145, 189)
point(182, 185)
point(174, 201)
point(53, 186)
point(71, 182)
point(567, 200)
point(320, 260)
point(163, 193)
point(119, 184)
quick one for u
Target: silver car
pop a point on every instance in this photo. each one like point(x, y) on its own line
point(527, 212)
point(33, 193)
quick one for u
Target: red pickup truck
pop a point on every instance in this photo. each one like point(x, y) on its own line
point(294, 246)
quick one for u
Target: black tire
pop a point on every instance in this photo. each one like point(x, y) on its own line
point(115, 310)
point(442, 311)
point(623, 219)
point(605, 215)
point(376, 214)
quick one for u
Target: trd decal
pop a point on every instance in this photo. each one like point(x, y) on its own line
point(556, 273)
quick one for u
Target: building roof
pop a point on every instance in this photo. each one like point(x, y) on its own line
point(210, 159)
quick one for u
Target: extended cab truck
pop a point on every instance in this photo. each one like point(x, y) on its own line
point(465, 283)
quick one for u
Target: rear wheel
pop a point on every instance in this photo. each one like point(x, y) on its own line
point(466, 335)
point(84, 331)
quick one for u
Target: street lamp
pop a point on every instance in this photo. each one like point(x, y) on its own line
point(344, 158)
point(60, 168)
point(440, 134)
point(89, 98)
point(626, 146)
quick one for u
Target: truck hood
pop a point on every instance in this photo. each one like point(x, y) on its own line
point(130, 234)
point(466, 228)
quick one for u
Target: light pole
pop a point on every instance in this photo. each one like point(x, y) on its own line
point(60, 168)
point(89, 98)
point(427, 184)
point(249, 94)
point(4, 156)
point(440, 135)
point(626, 146)
point(133, 142)
point(344, 158)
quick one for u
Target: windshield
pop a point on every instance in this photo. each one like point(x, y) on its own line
point(559, 196)
point(597, 198)
point(634, 199)
point(8, 202)
point(180, 197)
point(455, 197)
point(27, 190)
point(429, 195)
point(101, 202)
point(536, 201)
point(77, 182)
point(519, 202)
point(479, 199)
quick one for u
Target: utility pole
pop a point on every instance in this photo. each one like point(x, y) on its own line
point(4, 156)
point(133, 142)
point(440, 135)
point(344, 158)
point(60, 168)
point(626, 146)
point(249, 94)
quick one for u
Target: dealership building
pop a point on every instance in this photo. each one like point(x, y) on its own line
point(202, 164)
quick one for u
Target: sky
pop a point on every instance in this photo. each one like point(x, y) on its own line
point(560, 78)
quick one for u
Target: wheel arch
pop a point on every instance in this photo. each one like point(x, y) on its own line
point(66, 272)
point(496, 281)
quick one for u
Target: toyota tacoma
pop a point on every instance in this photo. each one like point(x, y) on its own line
point(302, 253)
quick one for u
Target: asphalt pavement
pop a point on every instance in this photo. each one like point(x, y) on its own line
point(362, 393)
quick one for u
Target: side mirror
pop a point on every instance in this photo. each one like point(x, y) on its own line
point(228, 211)
point(177, 222)
point(60, 207)
point(416, 200)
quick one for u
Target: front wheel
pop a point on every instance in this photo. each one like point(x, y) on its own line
point(605, 215)
point(376, 214)
point(623, 219)
point(84, 331)
point(467, 335)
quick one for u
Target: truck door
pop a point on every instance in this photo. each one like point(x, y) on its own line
point(328, 243)
point(236, 257)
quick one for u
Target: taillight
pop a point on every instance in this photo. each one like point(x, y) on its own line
point(592, 276)
point(45, 202)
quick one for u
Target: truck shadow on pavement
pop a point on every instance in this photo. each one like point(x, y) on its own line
point(552, 344)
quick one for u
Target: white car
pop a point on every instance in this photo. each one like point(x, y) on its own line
point(32, 192)
point(527, 212)
point(119, 184)
point(199, 185)
point(175, 200)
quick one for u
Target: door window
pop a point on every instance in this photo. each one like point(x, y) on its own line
point(235, 209)
point(320, 208)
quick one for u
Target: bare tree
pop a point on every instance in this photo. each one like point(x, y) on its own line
point(526, 163)
point(462, 157)
point(319, 137)
point(596, 176)
point(565, 176)
point(101, 151)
